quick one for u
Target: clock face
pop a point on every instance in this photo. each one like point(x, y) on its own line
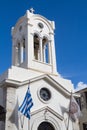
point(45, 94)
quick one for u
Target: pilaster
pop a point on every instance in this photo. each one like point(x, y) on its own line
point(10, 109)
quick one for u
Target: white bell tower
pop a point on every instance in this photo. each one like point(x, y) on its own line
point(33, 43)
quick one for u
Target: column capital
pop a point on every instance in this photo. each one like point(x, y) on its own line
point(50, 40)
point(41, 37)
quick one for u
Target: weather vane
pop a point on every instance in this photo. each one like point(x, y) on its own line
point(32, 10)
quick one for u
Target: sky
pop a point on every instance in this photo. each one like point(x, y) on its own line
point(70, 18)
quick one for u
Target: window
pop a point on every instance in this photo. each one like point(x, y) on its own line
point(79, 102)
point(83, 101)
point(84, 126)
point(86, 96)
point(45, 94)
point(2, 113)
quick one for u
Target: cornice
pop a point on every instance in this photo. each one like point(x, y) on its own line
point(47, 78)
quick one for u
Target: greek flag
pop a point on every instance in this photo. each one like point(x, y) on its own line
point(26, 105)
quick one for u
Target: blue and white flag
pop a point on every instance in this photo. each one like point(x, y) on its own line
point(26, 105)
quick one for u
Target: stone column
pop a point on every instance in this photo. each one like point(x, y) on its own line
point(44, 53)
point(53, 60)
point(49, 52)
point(10, 109)
point(41, 55)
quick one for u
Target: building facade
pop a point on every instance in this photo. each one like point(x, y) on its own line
point(83, 106)
point(34, 65)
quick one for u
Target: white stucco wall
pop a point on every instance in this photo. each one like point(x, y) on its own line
point(58, 103)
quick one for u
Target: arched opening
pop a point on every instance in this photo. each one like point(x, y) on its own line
point(24, 55)
point(46, 126)
point(45, 48)
point(20, 50)
point(36, 47)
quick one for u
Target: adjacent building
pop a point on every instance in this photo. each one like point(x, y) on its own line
point(83, 106)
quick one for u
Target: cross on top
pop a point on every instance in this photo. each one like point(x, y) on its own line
point(32, 10)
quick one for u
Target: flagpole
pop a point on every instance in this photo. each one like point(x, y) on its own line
point(28, 124)
point(69, 111)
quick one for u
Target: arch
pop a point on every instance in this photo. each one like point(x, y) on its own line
point(20, 21)
point(20, 53)
point(46, 126)
point(45, 20)
point(37, 32)
point(46, 44)
point(45, 118)
point(45, 49)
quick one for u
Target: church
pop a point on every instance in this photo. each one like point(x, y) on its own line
point(34, 66)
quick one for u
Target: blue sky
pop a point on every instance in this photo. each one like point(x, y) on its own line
point(70, 18)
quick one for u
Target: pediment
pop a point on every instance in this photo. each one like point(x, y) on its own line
point(47, 111)
point(51, 81)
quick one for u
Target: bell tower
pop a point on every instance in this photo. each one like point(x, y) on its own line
point(33, 43)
